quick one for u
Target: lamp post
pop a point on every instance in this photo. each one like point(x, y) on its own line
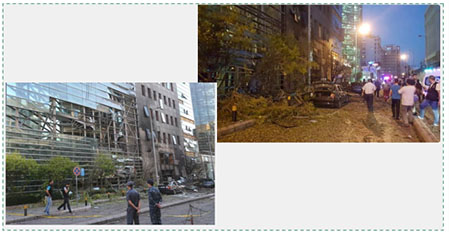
point(363, 29)
point(404, 57)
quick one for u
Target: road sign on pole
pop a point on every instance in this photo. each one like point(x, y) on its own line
point(76, 172)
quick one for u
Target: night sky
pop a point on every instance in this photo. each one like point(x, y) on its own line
point(400, 25)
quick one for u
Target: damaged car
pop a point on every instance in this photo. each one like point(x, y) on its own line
point(329, 94)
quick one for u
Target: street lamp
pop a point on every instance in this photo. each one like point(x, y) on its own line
point(364, 29)
point(404, 57)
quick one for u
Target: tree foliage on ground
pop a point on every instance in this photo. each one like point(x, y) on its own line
point(283, 55)
point(20, 168)
point(58, 169)
point(222, 31)
point(104, 166)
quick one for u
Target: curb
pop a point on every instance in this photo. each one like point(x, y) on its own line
point(28, 218)
point(423, 131)
point(235, 127)
point(122, 215)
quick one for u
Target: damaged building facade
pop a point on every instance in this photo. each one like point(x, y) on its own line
point(81, 120)
point(160, 132)
point(74, 120)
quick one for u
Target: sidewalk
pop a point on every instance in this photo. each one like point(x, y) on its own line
point(98, 213)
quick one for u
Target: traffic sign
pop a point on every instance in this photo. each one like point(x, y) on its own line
point(76, 171)
point(82, 171)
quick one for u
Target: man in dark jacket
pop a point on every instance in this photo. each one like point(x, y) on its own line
point(133, 200)
point(65, 193)
point(154, 200)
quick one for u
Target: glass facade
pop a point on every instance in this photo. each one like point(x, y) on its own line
point(74, 120)
point(204, 106)
point(203, 100)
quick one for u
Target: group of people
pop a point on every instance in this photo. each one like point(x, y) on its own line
point(406, 97)
point(132, 200)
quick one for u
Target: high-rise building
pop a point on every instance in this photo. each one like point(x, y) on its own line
point(391, 60)
point(351, 19)
point(187, 119)
point(432, 30)
point(371, 50)
point(73, 120)
point(161, 136)
point(204, 106)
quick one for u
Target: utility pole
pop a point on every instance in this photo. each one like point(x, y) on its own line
point(309, 41)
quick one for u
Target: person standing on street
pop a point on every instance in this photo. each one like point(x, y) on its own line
point(133, 200)
point(386, 91)
point(368, 92)
point(65, 193)
point(432, 99)
point(407, 101)
point(154, 200)
point(378, 85)
point(49, 196)
point(395, 99)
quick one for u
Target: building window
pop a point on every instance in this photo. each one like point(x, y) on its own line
point(159, 136)
point(163, 118)
point(145, 110)
point(174, 106)
point(154, 95)
point(149, 92)
point(168, 139)
point(176, 122)
point(169, 102)
point(166, 119)
point(143, 90)
point(164, 138)
point(157, 115)
point(160, 96)
point(171, 120)
point(174, 140)
point(163, 84)
point(148, 133)
point(171, 86)
point(177, 138)
point(165, 100)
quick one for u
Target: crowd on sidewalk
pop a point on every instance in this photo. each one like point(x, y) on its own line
point(408, 97)
point(132, 199)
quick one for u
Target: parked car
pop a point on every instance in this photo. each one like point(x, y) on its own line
point(171, 187)
point(329, 94)
point(207, 183)
point(356, 87)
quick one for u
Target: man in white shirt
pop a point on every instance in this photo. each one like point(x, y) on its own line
point(407, 101)
point(368, 92)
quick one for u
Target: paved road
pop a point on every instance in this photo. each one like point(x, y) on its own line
point(100, 211)
point(351, 123)
point(180, 214)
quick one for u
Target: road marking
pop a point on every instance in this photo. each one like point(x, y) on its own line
point(186, 215)
point(56, 217)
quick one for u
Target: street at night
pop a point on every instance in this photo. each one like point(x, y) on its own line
point(350, 123)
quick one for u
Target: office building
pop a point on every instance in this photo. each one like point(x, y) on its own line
point(187, 119)
point(391, 64)
point(161, 136)
point(432, 33)
point(73, 120)
point(351, 19)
